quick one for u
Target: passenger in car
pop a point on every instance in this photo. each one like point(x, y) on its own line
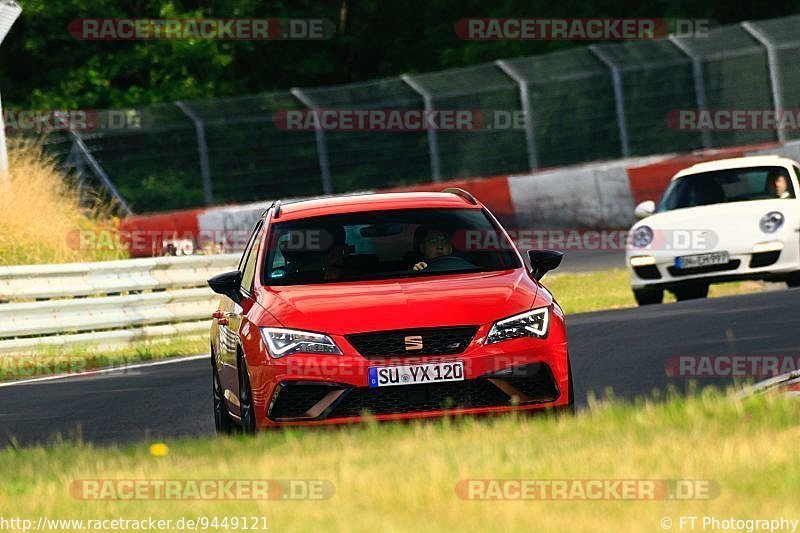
point(778, 183)
point(335, 255)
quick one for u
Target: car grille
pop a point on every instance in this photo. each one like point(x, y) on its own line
point(412, 342)
point(534, 383)
point(416, 398)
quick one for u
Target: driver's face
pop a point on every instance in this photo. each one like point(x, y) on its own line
point(436, 244)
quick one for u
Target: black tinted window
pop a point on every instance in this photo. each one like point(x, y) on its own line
point(385, 244)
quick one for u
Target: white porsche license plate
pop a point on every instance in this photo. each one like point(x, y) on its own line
point(387, 376)
point(702, 260)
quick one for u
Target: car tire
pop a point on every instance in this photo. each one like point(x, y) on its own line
point(793, 280)
point(246, 408)
point(648, 296)
point(690, 292)
point(223, 422)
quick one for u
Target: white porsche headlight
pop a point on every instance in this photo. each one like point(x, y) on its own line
point(771, 222)
point(530, 324)
point(642, 236)
point(282, 342)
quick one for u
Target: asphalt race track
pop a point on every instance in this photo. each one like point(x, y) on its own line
point(624, 349)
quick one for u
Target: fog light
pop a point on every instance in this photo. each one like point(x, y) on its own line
point(772, 246)
point(642, 260)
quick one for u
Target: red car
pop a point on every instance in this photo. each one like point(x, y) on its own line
point(406, 305)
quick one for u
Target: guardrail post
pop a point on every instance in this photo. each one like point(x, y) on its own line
point(202, 149)
point(618, 97)
point(699, 84)
point(433, 140)
point(322, 148)
point(774, 72)
point(525, 102)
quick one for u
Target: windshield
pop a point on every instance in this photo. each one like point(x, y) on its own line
point(730, 185)
point(383, 245)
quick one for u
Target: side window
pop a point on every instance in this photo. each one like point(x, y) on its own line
point(249, 259)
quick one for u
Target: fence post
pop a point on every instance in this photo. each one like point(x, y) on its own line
point(9, 11)
point(433, 140)
point(202, 149)
point(322, 148)
point(525, 101)
point(699, 84)
point(3, 149)
point(99, 172)
point(774, 73)
point(618, 97)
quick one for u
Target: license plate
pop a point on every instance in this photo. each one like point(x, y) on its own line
point(387, 376)
point(701, 260)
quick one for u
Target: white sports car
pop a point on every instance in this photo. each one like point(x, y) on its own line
point(718, 221)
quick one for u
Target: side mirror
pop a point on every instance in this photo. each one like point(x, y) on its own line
point(543, 261)
point(227, 284)
point(645, 209)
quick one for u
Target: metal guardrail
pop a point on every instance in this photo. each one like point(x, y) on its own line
point(107, 303)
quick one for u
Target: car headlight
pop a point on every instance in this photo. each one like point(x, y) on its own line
point(530, 324)
point(642, 236)
point(282, 342)
point(771, 222)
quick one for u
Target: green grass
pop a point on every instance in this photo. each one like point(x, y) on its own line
point(611, 289)
point(402, 476)
point(54, 361)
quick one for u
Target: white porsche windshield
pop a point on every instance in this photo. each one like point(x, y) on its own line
point(729, 185)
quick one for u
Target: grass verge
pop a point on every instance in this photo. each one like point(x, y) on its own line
point(49, 362)
point(611, 289)
point(402, 477)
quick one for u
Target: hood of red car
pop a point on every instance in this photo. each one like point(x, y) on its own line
point(430, 301)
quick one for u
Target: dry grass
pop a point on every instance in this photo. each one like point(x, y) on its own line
point(40, 215)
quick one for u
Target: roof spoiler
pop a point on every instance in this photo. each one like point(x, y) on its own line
point(462, 193)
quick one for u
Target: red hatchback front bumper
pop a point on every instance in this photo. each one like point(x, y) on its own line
point(518, 374)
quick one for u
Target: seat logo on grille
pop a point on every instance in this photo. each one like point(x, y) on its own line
point(413, 342)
